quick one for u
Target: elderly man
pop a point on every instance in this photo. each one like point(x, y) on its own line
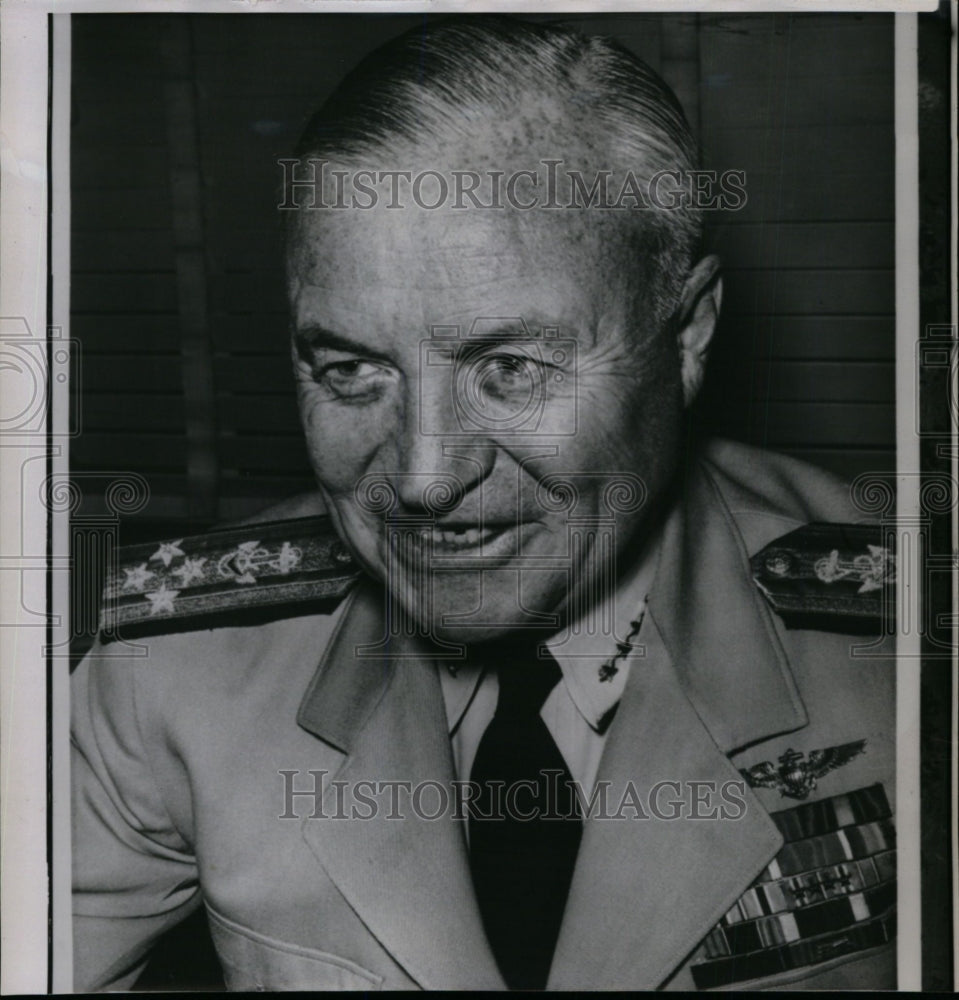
point(545, 729)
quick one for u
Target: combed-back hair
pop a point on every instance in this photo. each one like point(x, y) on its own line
point(431, 88)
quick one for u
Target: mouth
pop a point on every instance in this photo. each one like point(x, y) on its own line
point(494, 541)
point(465, 539)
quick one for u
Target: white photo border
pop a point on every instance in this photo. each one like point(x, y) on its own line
point(33, 696)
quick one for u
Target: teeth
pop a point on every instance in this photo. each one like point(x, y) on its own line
point(465, 539)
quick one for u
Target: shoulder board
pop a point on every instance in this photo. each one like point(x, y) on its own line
point(831, 577)
point(231, 574)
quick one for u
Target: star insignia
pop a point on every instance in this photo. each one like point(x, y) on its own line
point(161, 600)
point(168, 551)
point(137, 577)
point(192, 569)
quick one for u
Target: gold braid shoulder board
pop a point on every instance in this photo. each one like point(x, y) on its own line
point(834, 577)
point(831, 577)
point(233, 575)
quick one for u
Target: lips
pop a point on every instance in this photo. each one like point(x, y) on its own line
point(495, 541)
point(456, 539)
point(463, 539)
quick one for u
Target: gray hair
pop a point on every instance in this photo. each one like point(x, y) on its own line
point(431, 85)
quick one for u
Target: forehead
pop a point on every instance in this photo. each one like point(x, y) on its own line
point(448, 265)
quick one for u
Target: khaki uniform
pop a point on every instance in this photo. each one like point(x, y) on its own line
point(178, 790)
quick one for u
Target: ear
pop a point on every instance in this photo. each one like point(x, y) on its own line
point(696, 322)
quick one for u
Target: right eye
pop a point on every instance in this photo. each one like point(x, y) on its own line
point(353, 379)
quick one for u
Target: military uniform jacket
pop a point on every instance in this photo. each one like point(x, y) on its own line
point(179, 799)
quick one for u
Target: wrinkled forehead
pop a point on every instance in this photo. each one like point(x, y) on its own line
point(398, 224)
point(452, 241)
point(526, 166)
point(449, 265)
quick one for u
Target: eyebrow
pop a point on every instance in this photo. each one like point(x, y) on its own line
point(309, 338)
point(505, 332)
point(515, 330)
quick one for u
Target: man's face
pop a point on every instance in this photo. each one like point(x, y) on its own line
point(451, 367)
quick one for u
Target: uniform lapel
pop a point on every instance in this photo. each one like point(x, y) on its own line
point(714, 678)
point(645, 892)
point(408, 879)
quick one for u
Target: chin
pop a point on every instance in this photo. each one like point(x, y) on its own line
point(464, 611)
point(472, 638)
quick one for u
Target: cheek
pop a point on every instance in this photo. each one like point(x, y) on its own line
point(626, 424)
point(341, 442)
point(631, 429)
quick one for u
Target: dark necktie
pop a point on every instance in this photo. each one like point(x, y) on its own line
point(525, 824)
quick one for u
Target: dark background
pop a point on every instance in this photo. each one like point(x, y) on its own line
point(177, 292)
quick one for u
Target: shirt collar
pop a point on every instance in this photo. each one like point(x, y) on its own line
point(459, 684)
point(594, 665)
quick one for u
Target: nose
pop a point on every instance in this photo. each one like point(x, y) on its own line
point(434, 451)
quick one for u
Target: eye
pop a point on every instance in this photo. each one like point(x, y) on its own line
point(503, 375)
point(351, 379)
point(508, 365)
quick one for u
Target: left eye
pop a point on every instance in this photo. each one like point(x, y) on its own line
point(507, 365)
point(501, 374)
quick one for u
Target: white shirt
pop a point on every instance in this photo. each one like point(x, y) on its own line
point(577, 712)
